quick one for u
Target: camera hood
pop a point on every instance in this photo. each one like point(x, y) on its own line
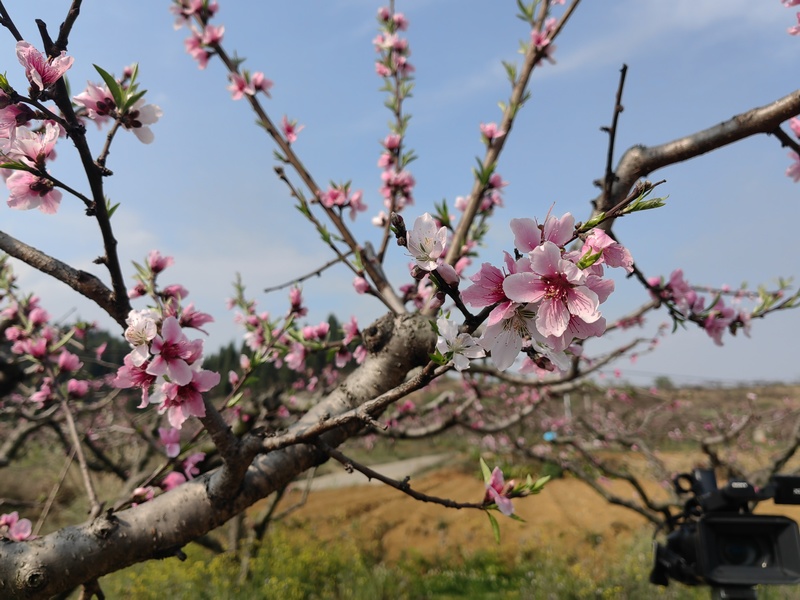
point(746, 549)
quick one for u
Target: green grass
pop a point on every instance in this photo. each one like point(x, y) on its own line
point(289, 569)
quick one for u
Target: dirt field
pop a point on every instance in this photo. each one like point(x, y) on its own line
point(567, 517)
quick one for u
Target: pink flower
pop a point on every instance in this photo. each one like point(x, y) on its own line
point(171, 353)
point(132, 375)
point(173, 480)
point(491, 132)
point(38, 316)
point(794, 124)
point(382, 70)
point(426, 242)
point(718, 320)
point(400, 21)
point(142, 494)
point(361, 285)
point(194, 47)
point(242, 85)
point(795, 30)
point(557, 286)
point(18, 529)
point(613, 253)
point(487, 289)
point(183, 401)
point(212, 35)
point(296, 358)
point(528, 234)
point(158, 263)
point(39, 71)
point(350, 330)
point(290, 129)
point(392, 141)
point(175, 290)
point(262, 84)
point(27, 191)
point(171, 438)
point(68, 361)
point(34, 148)
point(496, 491)
point(360, 354)
point(97, 101)
point(190, 464)
point(77, 388)
point(333, 196)
point(793, 171)
point(194, 319)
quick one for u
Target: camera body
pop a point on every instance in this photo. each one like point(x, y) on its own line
point(717, 541)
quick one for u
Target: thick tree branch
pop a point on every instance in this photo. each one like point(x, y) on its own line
point(159, 528)
point(82, 282)
point(640, 161)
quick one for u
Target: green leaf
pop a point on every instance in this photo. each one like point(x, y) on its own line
point(234, 399)
point(143, 273)
point(495, 526)
point(16, 166)
point(112, 209)
point(539, 485)
point(593, 222)
point(133, 99)
point(63, 341)
point(588, 259)
point(325, 234)
point(511, 71)
point(438, 358)
point(642, 204)
point(487, 472)
point(116, 90)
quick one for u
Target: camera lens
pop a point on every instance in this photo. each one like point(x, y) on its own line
point(743, 551)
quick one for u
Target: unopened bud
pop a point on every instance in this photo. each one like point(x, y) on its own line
point(399, 228)
point(418, 273)
point(438, 300)
point(448, 275)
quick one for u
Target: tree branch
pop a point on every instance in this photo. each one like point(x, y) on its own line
point(639, 161)
point(82, 282)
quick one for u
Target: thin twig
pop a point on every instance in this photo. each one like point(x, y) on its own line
point(608, 180)
point(94, 503)
point(54, 492)
point(315, 273)
point(403, 486)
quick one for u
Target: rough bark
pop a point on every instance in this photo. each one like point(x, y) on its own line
point(159, 528)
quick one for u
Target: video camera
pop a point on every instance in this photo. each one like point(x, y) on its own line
point(717, 541)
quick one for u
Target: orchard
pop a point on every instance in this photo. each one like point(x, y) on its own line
point(396, 309)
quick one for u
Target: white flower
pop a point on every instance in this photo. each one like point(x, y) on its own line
point(426, 243)
point(504, 338)
point(141, 330)
point(460, 346)
point(140, 117)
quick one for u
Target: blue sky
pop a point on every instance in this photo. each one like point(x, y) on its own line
point(205, 192)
